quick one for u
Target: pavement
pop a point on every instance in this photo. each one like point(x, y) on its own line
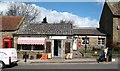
point(75, 60)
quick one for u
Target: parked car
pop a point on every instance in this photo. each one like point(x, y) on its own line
point(8, 56)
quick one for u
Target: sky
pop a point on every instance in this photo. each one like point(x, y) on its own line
point(82, 9)
point(83, 14)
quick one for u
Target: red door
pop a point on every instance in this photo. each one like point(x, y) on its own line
point(7, 43)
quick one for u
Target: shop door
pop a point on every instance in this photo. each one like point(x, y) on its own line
point(57, 48)
point(68, 46)
point(49, 48)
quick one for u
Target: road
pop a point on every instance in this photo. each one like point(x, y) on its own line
point(67, 66)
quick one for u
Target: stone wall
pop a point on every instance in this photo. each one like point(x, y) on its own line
point(93, 41)
point(119, 29)
point(116, 31)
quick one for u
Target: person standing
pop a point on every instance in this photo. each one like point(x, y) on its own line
point(106, 54)
point(25, 56)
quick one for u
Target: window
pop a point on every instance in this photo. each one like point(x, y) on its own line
point(30, 47)
point(101, 41)
point(26, 47)
point(85, 41)
point(38, 47)
point(67, 47)
point(48, 47)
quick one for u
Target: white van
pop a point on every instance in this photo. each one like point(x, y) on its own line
point(8, 56)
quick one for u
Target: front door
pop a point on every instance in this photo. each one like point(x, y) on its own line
point(57, 48)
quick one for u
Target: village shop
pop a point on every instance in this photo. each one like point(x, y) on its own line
point(52, 41)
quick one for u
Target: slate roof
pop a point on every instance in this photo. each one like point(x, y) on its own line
point(56, 29)
point(48, 29)
point(87, 31)
point(9, 23)
point(114, 7)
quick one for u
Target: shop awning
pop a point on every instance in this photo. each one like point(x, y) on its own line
point(31, 40)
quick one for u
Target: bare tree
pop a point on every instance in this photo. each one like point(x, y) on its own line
point(22, 9)
point(65, 21)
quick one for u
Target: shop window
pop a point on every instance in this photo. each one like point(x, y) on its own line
point(48, 47)
point(67, 47)
point(101, 41)
point(38, 47)
point(26, 47)
point(30, 47)
point(85, 41)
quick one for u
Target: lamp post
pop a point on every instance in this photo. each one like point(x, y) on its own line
point(85, 43)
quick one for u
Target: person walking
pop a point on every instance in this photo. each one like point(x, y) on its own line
point(25, 56)
point(106, 54)
point(101, 57)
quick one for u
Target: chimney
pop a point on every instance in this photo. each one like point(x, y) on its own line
point(44, 20)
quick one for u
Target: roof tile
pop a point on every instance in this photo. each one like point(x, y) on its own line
point(10, 22)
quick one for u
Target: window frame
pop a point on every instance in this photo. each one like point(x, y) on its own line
point(83, 40)
point(101, 41)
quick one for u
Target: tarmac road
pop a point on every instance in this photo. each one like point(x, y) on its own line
point(67, 66)
point(92, 64)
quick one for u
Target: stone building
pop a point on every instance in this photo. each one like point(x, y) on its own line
point(53, 39)
point(56, 39)
point(93, 36)
point(46, 38)
point(110, 23)
point(8, 26)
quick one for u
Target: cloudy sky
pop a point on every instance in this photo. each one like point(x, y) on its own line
point(83, 14)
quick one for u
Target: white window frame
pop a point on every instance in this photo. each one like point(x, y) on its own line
point(84, 40)
point(101, 41)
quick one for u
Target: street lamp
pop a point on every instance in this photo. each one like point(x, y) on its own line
point(85, 43)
